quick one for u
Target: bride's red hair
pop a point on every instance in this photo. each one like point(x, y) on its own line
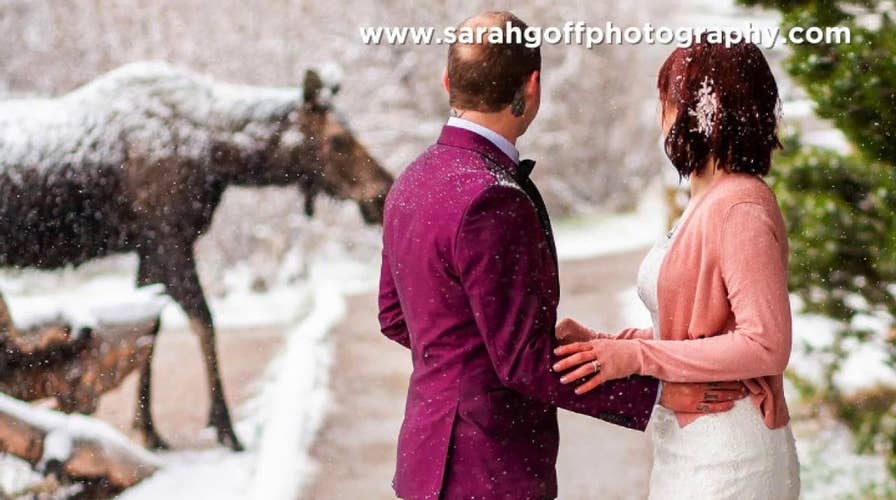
point(725, 105)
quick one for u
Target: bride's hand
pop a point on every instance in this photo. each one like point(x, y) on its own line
point(570, 331)
point(596, 362)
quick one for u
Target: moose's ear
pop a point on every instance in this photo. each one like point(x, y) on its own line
point(331, 74)
point(312, 87)
point(321, 86)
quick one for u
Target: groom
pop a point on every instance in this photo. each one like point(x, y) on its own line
point(469, 283)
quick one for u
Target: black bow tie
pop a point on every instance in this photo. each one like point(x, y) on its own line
point(526, 167)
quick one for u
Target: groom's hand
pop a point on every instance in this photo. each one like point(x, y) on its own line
point(712, 397)
point(570, 331)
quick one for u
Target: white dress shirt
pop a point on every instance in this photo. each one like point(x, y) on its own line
point(495, 138)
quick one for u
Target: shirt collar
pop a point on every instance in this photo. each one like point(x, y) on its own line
point(495, 138)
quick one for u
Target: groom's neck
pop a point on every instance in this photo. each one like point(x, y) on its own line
point(502, 122)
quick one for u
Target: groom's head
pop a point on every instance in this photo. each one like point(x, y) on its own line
point(489, 78)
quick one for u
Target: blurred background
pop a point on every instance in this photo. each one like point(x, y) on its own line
point(285, 288)
point(602, 99)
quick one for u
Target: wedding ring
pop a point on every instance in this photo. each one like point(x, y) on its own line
point(596, 366)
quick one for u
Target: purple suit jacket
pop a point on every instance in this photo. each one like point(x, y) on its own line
point(469, 283)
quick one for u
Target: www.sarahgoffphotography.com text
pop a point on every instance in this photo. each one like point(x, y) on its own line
point(582, 34)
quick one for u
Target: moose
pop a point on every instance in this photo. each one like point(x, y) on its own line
point(137, 160)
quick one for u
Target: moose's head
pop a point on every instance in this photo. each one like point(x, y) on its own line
point(331, 158)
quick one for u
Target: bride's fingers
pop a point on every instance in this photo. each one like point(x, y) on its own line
point(573, 360)
point(567, 349)
point(586, 370)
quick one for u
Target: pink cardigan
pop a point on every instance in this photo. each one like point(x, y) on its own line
point(723, 288)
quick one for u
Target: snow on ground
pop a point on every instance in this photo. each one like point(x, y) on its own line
point(61, 433)
point(62, 430)
point(591, 236)
point(580, 238)
point(279, 425)
point(86, 308)
point(831, 469)
point(864, 365)
point(304, 370)
point(16, 476)
point(35, 296)
point(200, 474)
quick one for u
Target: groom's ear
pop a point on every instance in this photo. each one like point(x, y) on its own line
point(533, 92)
point(446, 82)
point(533, 86)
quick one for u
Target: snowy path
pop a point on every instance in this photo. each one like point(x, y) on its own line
point(356, 447)
point(180, 395)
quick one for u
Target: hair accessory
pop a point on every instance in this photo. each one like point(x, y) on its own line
point(707, 108)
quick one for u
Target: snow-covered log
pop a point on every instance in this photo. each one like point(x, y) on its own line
point(73, 448)
point(74, 357)
point(73, 364)
point(76, 371)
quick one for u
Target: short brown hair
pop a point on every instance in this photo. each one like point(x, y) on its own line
point(743, 130)
point(484, 76)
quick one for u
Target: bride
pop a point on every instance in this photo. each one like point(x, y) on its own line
point(716, 288)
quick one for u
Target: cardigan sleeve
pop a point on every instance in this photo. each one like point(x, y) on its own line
point(754, 268)
point(635, 333)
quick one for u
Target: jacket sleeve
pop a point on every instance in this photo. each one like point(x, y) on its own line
point(391, 317)
point(499, 250)
point(754, 268)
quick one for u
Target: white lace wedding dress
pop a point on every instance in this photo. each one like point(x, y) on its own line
point(730, 455)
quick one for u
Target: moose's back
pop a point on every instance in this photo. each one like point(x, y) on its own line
point(60, 175)
point(65, 193)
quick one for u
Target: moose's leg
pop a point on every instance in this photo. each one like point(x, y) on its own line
point(143, 421)
point(182, 284)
